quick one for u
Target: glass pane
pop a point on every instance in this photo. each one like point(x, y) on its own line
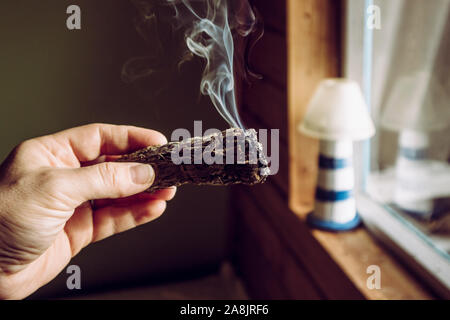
point(405, 74)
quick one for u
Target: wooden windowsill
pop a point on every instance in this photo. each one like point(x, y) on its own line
point(355, 250)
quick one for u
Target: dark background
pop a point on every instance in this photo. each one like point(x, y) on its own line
point(52, 78)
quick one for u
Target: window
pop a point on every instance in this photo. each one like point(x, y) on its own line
point(399, 54)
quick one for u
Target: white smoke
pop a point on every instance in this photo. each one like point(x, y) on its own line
point(210, 37)
point(208, 27)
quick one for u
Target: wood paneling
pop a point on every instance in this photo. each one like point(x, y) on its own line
point(296, 236)
point(267, 104)
point(265, 252)
point(313, 54)
point(273, 13)
point(275, 251)
point(268, 58)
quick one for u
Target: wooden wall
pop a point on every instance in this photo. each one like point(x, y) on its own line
point(272, 248)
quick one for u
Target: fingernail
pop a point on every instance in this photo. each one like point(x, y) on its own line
point(142, 174)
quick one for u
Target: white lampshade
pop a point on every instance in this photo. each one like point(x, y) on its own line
point(416, 102)
point(337, 111)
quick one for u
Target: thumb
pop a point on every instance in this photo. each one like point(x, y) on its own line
point(110, 180)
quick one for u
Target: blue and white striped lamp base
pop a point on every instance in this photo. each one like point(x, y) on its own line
point(412, 159)
point(335, 207)
point(332, 225)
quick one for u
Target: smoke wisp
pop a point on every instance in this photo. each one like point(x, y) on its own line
point(204, 28)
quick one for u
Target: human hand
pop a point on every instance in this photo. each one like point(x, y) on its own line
point(46, 184)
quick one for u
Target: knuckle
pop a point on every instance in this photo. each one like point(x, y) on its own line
point(107, 174)
point(110, 176)
point(23, 147)
point(95, 125)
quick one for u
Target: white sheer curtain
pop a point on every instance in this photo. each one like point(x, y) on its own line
point(410, 85)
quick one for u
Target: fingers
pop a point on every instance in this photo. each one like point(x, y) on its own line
point(115, 219)
point(89, 142)
point(87, 226)
point(108, 180)
point(163, 194)
point(103, 158)
point(166, 194)
point(79, 228)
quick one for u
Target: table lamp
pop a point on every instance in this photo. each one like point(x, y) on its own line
point(337, 115)
point(416, 106)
